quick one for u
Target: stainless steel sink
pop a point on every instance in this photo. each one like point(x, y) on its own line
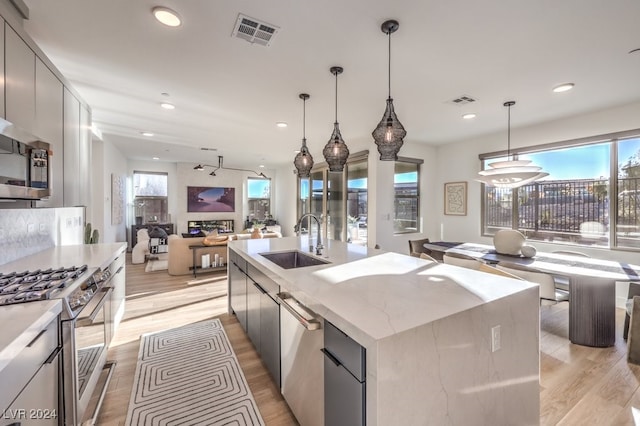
point(293, 259)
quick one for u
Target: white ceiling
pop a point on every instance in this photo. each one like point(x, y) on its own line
point(229, 93)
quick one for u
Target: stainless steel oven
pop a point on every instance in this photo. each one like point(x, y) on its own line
point(85, 340)
point(85, 329)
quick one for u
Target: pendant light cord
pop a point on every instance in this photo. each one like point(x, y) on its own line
point(389, 35)
point(508, 132)
point(336, 74)
point(304, 121)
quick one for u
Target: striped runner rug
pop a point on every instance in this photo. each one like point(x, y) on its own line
point(190, 376)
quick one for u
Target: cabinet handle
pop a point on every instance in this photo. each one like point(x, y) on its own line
point(259, 287)
point(310, 324)
point(331, 357)
point(32, 342)
point(119, 270)
point(53, 355)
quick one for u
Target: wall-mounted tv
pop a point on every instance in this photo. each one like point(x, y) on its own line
point(208, 199)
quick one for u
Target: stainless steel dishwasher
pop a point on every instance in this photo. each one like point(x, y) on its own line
point(302, 364)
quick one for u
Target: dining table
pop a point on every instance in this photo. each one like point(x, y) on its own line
point(592, 285)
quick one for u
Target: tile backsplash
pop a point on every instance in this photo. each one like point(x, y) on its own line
point(27, 231)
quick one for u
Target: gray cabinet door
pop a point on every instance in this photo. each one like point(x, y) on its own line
point(71, 161)
point(270, 336)
point(344, 379)
point(253, 313)
point(238, 294)
point(344, 396)
point(20, 81)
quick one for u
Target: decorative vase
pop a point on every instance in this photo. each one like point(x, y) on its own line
point(256, 233)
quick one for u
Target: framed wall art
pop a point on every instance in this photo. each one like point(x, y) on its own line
point(455, 198)
point(210, 199)
point(117, 199)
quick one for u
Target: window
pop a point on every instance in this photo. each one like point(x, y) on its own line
point(259, 199)
point(339, 200)
point(407, 196)
point(574, 204)
point(150, 197)
point(357, 202)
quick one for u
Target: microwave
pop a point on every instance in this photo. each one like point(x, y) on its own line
point(25, 166)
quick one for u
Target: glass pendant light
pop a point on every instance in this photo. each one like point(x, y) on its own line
point(303, 160)
point(336, 151)
point(389, 133)
point(510, 173)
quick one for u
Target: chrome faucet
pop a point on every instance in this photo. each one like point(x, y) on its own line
point(319, 245)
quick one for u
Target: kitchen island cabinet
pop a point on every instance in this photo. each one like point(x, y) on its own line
point(425, 330)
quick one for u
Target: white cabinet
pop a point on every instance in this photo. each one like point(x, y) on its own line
point(71, 131)
point(48, 106)
point(119, 283)
point(2, 68)
point(20, 77)
point(48, 126)
point(84, 156)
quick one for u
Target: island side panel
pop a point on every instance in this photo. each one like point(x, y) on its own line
point(445, 372)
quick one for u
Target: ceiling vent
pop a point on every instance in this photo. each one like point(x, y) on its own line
point(254, 30)
point(208, 149)
point(462, 100)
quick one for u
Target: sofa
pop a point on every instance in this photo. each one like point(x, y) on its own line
point(181, 256)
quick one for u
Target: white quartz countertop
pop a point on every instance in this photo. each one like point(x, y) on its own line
point(372, 294)
point(93, 255)
point(21, 323)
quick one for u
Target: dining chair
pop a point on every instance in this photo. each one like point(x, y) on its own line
point(634, 290)
point(548, 290)
point(425, 256)
point(562, 282)
point(458, 259)
point(483, 267)
point(417, 246)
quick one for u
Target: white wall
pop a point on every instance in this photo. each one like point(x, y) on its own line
point(459, 162)
point(106, 160)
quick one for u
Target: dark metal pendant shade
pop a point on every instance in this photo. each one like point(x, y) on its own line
point(336, 151)
point(303, 160)
point(389, 134)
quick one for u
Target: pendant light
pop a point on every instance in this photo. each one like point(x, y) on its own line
point(303, 160)
point(389, 133)
point(336, 151)
point(510, 173)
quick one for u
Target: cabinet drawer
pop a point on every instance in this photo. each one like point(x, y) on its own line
point(25, 365)
point(346, 350)
point(344, 396)
point(267, 284)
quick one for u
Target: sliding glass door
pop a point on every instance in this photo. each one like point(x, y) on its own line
point(338, 199)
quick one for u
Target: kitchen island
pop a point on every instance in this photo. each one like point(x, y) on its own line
point(444, 345)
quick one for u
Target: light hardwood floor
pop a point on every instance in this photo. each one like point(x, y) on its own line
point(157, 301)
point(578, 385)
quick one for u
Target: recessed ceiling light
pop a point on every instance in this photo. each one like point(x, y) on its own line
point(261, 166)
point(156, 158)
point(296, 151)
point(167, 16)
point(281, 124)
point(563, 87)
point(469, 116)
point(167, 105)
point(147, 134)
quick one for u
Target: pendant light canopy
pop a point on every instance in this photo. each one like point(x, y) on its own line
point(303, 160)
point(389, 133)
point(510, 173)
point(335, 151)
